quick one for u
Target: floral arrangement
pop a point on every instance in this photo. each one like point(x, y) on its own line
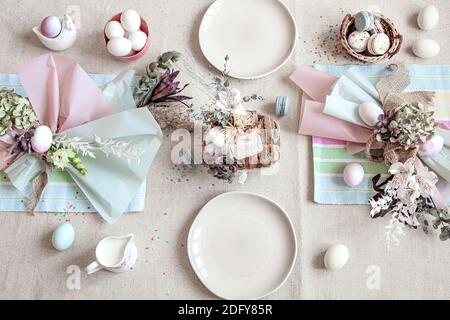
point(400, 130)
point(20, 122)
point(73, 134)
point(407, 196)
point(234, 139)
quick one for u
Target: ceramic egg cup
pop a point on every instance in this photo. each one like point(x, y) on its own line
point(134, 55)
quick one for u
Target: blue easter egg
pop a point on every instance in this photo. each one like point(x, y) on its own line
point(63, 236)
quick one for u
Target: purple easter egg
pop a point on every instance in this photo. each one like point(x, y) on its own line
point(51, 27)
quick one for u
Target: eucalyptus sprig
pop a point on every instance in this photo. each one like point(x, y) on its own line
point(222, 83)
point(440, 222)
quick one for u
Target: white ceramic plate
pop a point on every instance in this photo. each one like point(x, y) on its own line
point(242, 246)
point(258, 35)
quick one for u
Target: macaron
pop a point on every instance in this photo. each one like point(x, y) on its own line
point(364, 21)
point(281, 105)
point(358, 40)
point(377, 27)
point(378, 44)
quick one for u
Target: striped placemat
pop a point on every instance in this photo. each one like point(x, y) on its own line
point(61, 194)
point(330, 156)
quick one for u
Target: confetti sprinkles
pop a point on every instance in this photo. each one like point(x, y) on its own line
point(325, 46)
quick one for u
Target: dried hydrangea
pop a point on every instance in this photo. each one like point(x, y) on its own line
point(413, 123)
point(410, 125)
point(15, 112)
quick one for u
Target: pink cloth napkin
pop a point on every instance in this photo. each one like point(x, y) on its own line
point(316, 85)
point(49, 82)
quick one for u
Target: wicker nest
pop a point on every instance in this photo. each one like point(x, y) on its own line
point(389, 29)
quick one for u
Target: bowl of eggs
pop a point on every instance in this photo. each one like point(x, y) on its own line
point(127, 36)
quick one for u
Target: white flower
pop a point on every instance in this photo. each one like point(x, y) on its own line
point(239, 109)
point(216, 137)
point(426, 181)
point(400, 167)
point(229, 98)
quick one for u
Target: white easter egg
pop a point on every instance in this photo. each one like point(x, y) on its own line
point(369, 113)
point(353, 174)
point(336, 257)
point(130, 20)
point(119, 47)
point(42, 139)
point(425, 48)
point(432, 146)
point(63, 236)
point(138, 40)
point(428, 18)
point(114, 29)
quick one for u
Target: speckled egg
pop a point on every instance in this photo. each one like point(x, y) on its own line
point(358, 40)
point(353, 174)
point(336, 257)
point(51, 26)
point(369, 113)
point(63, 237)
point(42, 139)
point(432, 146)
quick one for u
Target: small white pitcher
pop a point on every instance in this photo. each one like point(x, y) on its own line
point(115, 254)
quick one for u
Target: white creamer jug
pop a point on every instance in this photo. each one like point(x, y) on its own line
point(115, 254)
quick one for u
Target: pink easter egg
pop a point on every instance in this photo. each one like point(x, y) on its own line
point(42, 139)
point(432, 146)
point(51, 26)
point(353, 174)
point(369, 112)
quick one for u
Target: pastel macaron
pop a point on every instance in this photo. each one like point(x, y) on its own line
point(358, 40)
point(281, 105)
point(378, 44)
point(364, 21)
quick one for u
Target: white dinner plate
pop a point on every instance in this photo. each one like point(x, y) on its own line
point(259, 36)
point(242, 246)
